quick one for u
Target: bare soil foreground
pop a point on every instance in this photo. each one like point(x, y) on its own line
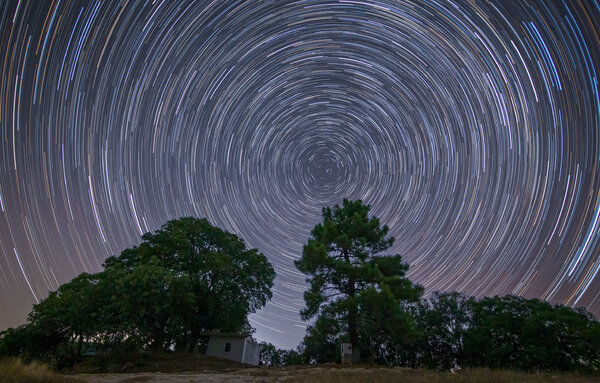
point(182, 368)
point(188, 368)
point(337, 374)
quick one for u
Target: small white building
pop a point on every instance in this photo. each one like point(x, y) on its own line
point(237, 347)
point(346, 349)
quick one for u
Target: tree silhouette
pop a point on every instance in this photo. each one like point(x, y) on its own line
point(349, 279)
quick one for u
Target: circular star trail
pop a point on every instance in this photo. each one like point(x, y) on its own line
point(471, 128)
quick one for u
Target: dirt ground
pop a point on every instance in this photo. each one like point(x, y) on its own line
point(260, 375)
point(249, 375)
point(305, 374)
point(190, 368)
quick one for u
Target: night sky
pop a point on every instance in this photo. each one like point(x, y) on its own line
point(471, 128)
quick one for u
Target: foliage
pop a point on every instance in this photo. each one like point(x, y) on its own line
point(25, 342)
point(351, 282)
point(322, 341)
point(359, 296)
point(201, 273)
point(185, 278)
point(454, 331)
point(227, 280)
point(272, 356)
point(386, 327)
point(514, 332)
point(292, 357)
point(444, 319)
point(181, 281)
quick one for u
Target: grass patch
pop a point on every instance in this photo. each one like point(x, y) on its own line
point(165, 362)
point(14, 371)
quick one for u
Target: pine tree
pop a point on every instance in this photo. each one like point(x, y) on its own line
point(346, 272)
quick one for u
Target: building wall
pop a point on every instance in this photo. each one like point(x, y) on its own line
point(216, 347)
point(346, 349)
point(251, 352)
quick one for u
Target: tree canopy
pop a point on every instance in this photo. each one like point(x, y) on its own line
point(187, 278)
point(217, 275)
point(190, 277)
point(351, 283)
point(454, 330)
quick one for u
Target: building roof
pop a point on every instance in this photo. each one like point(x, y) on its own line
point(225, 334)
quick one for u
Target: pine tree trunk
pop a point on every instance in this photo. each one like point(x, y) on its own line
point(352, 317)
point(79, 346)
point(353, 336)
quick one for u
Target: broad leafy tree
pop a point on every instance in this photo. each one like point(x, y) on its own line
point(270, 355)
point(514, 332)
point(349, 276)
point(273, 356)
point(187, 278)
point(321, 344)
point(219, 281)
point(444, 319)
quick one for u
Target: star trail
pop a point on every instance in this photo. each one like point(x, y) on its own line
point(471, 128)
